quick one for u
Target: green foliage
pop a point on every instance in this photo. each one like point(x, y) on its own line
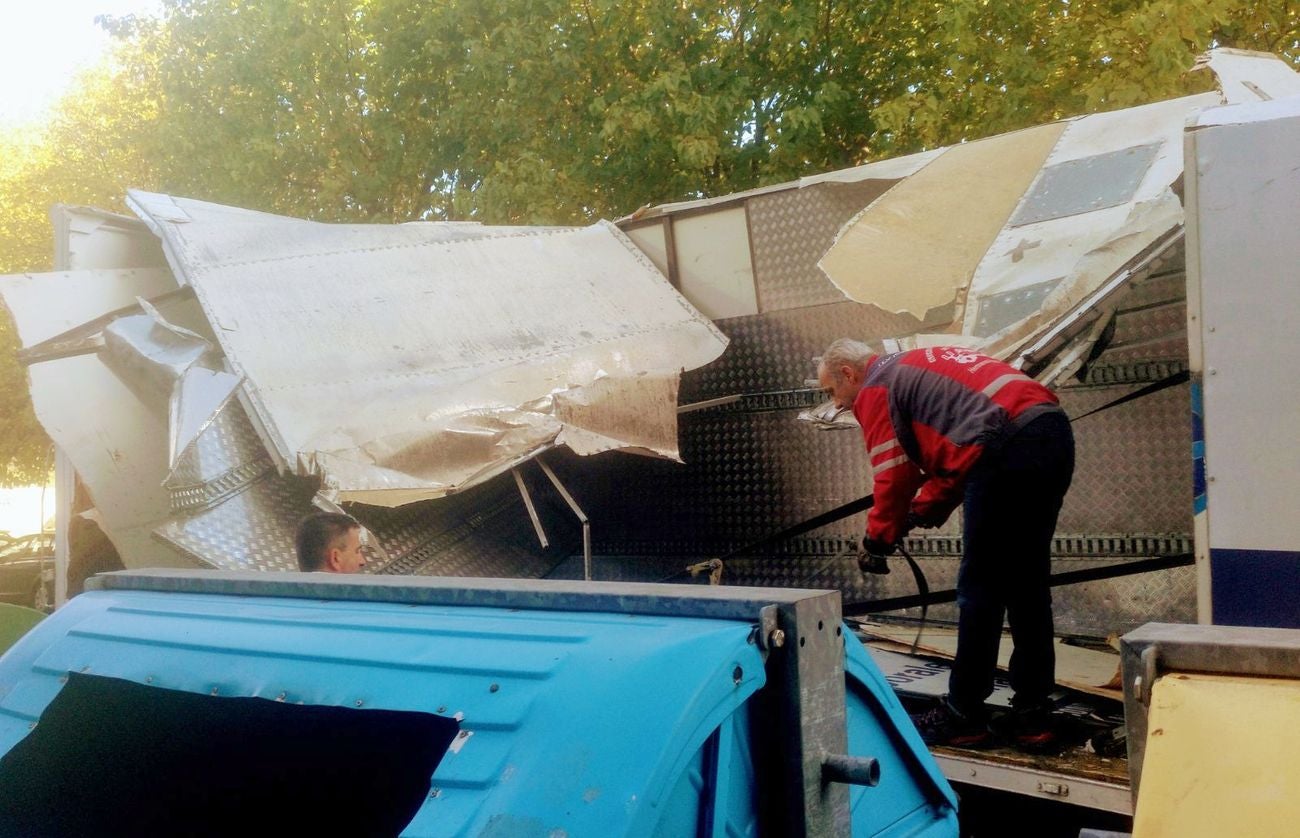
point(561, 111)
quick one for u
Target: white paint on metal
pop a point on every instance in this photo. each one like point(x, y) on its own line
point(653, 242)
point(86, 238)
point(1244, 306)
point(1087, 248)
point(713, 264)
point(1246, 76)
point(46, 305)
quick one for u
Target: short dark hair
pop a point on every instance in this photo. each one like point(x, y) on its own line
point(316, 533)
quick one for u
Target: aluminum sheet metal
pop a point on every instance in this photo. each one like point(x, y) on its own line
point(404, 363)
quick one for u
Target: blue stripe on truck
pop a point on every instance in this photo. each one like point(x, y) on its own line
point(1255, 587)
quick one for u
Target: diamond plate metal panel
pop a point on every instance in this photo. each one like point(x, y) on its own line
point(774, 351)
point(1156, 331)
point(753, 470)
point(1133, 464)
point(482, 532)
point(791, 230)
point(227, 455)
point(251, 530)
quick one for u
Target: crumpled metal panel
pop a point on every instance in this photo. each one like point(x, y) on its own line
point(997, 311)
point(485, 532)
point(198, 397)
point(916, 247)
point(1102, 199)
point(146, 351)
point(752, 469)
point(1249, 76)
point(403, 363)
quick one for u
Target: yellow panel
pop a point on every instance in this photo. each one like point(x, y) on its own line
point(914, 248)
point(1221, 758)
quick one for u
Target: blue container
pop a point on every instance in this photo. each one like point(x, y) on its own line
point(573, 722)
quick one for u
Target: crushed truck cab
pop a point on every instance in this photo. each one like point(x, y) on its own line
point(578, 708)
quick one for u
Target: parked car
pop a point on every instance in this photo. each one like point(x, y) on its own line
point(27, 571)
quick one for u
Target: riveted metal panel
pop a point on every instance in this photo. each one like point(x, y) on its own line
point(1086, 184)
point(792, 230)
point(997, 311)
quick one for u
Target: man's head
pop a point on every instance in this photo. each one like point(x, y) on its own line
point(329, 541)
point(842, 370)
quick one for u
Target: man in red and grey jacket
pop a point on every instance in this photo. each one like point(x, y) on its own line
point(945, 426)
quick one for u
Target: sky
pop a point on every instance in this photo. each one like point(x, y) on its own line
point(21, 509)
point(43, 44)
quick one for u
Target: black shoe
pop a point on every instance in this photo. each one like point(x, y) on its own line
point(945, 726)
point(1031, 729)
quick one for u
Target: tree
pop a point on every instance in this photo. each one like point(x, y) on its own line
point(562, 111)
point(88, 154)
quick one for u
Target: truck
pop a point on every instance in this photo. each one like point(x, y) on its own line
point(1093, 253)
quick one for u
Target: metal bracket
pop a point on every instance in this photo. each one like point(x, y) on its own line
point(532, 511)
point(577, 510)
point(769, 635)
point(1144, 682)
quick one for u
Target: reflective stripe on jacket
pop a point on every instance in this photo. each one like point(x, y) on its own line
point(927, 417)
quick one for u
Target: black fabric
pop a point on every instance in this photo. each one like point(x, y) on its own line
point(1011, 504)
point(112, 757)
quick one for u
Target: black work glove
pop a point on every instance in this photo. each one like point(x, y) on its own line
point(916, 521)
point(873, 557)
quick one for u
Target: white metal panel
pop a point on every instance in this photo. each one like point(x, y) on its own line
point(1087, 248)
point(87, 238)
point(1243, 258)
point(115, 442)
point(1246, 76)
point(713, 263)
point(653, 242)
point(53, 303)
point(401, 363)
point(121, 455)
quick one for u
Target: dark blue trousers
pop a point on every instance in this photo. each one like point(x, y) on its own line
point(1012, 499)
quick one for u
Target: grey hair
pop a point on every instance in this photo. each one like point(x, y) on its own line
point(845, 351)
